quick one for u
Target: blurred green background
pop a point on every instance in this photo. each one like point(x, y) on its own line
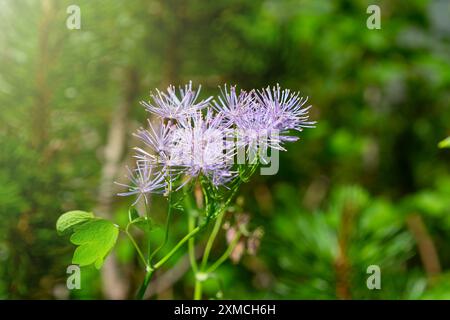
point(368, 186)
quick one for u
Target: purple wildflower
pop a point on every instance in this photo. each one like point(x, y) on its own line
point(268, 120)
point(233, 106)
point(190, 142)
point(158, 140)
point(202, 146)
point(286, 109)
point(256, 128)
point(171, 106)
point(143, 182)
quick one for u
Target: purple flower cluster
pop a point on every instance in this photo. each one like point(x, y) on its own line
point(191, 138)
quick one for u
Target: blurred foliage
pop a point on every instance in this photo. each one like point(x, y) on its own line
point(368, 186)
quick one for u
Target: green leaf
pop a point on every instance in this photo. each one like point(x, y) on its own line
point(178, 206)
point(133, 214)
point(143, 223)
point(95, 240)
point(444, 143)
point(70, 219)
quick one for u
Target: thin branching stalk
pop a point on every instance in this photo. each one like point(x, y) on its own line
point(226, 254)
point(166, 232)
point(211, 240)
point(145, 283)
point(135, 245)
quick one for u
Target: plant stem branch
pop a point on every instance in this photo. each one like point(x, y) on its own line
point(198, 289)
point(143, 288)
point(211, 239)
point(191, 224)
point(177, 246)
point(191, 245)
point(226, 254)
point(219, 217)
point(166, 235)
point(141, 255)
point(157, 265)
point(147, 214)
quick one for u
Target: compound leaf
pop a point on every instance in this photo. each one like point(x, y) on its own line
point(95, 239)
point(70, 219)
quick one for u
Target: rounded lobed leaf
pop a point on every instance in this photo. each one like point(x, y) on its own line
point(70, 219)
point(95, 239)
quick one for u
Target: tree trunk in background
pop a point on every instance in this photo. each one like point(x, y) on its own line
point(114, 284)
point(342, 263)
point(176, 22)
point(41, 107)
point(425, 244)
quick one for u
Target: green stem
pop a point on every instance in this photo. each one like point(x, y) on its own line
point(211, 239)
point(220, 214)
point(141, 255)
point(166, 235)
point(189, 236)
point(198, 289)
point(143, 288)
point(157, 265)
point(191, 245)
point(225, 205)
point(199, 282)
point(206, 197)
point(177, 246)
point(191, 224)
point(147, 214)
point(226, 254)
